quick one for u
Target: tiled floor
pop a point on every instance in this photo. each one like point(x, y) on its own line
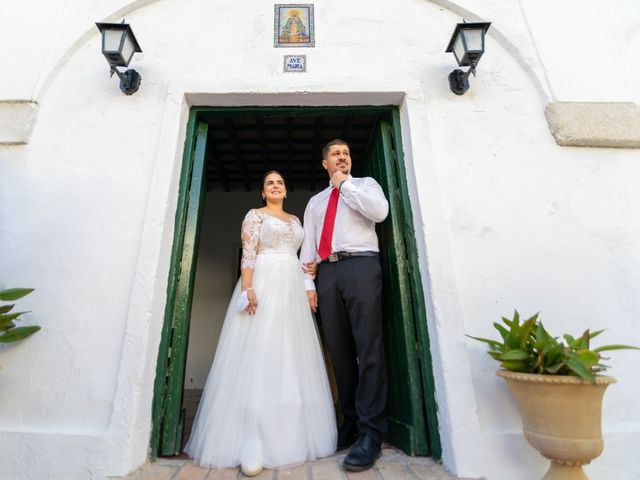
point(393, 465)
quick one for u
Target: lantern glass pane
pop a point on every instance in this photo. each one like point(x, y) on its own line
point(112, 40)
point(458, 49)
point(473, 39)
point(127, 50)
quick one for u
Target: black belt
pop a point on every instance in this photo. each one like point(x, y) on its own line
point(338, 256)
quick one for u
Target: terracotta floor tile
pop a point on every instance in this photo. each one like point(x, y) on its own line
point(370, 474)
point(192, 472)
point(266, 474)
point(224, 474)
point(296, 473)
point(327, 469)
point(432, 471)
point(395, 471)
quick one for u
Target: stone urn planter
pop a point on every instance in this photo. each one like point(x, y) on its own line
point(561, 418)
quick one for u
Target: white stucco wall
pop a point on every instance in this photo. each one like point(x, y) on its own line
point(504, 217)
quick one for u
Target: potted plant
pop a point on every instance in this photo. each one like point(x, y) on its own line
point(8, 331)
point(558, 388)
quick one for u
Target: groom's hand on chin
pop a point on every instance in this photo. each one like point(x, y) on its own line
point(337, 178)
point(313, 300)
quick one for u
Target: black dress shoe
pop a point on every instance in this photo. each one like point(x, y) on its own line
point(347, 434)
point(363, 454)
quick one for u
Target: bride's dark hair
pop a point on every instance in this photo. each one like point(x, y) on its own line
point(269, 173)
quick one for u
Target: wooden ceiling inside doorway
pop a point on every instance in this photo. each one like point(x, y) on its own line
point(241, 148)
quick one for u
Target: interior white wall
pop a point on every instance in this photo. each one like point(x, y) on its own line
point(216, 272)
point(504, 217)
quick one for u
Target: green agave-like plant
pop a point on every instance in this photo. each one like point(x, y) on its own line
point(8, 330)
point(528, 347)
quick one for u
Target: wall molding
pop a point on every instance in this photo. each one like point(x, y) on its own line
point(595, 124)
point(17, 119)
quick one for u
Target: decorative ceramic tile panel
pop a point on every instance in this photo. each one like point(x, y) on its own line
point(293, 25)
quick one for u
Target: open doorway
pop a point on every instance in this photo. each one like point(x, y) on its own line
point(227, 152)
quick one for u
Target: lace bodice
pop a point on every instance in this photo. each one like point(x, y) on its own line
point(265, 233)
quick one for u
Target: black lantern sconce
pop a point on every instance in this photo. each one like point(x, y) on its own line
point(467, 45)
point(118, 46)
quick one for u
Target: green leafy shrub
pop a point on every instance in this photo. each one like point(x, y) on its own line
point(8, 330)
point(528, 347)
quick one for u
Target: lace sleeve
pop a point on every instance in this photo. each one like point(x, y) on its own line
point(250, 235)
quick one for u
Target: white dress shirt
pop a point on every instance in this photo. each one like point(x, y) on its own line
point(361, 205)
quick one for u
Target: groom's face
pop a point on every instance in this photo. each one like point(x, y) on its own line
point(338, 159)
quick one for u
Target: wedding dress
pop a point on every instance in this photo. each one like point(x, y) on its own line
point(267, 400)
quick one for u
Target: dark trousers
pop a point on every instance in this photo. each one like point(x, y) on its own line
point(349, 302)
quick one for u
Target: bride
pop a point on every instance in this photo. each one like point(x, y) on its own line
point(267, 401)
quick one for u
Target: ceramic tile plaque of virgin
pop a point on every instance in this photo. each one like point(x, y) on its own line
point(293, 25)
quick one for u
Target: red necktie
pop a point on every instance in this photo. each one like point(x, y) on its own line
point(324, 250)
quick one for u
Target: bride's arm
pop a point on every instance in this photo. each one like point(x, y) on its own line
point(250, 235)
point(308, 255)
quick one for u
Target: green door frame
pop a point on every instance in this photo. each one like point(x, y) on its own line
point(169, 377)
point(417, 293)
point(167, 420)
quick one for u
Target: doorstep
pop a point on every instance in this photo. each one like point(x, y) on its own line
point(393, 465)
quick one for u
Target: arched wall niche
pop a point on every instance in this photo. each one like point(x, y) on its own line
point(21, 115)
point(459, 8)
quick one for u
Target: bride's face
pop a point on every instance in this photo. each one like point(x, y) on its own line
point(274, 188)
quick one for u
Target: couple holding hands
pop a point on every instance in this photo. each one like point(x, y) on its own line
point(267, 400)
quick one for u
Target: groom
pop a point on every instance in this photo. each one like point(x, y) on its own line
point(339, 224)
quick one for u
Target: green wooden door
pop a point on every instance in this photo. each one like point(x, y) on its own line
point(168, 413)
point(406, 402)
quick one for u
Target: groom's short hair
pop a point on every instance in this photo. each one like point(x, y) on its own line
point(328, 145)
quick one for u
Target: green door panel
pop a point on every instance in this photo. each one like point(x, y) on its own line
point(407, 425)
point(180, 297)
point(417, 292)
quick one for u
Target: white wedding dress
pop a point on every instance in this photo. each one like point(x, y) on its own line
point(267, 400)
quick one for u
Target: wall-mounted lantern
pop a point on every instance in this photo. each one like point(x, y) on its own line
point(467, 45)
point(118, 46)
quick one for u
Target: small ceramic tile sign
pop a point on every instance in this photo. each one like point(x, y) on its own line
point(293, 25)
point(295, 63)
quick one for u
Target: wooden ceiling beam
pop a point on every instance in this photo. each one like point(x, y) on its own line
point(356, 126)
point(242, 149)
point(214, 161)
point(372, 133)
point(263, 146)
point(317, 150)
point(292, 185)
point(296, 146)
point(233, 137)
point(346, 128)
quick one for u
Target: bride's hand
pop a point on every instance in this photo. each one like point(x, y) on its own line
point(313, 300)
point(310, 268)
point(253, 302)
